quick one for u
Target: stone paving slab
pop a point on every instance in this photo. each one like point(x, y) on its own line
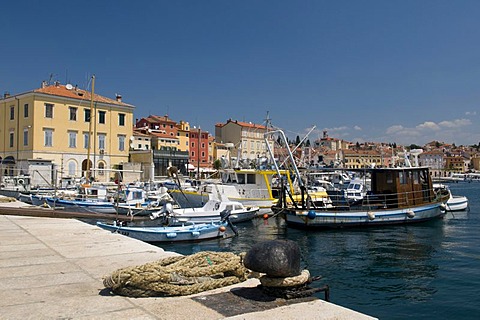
point(52, 268)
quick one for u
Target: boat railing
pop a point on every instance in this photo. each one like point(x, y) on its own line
point(381, 201)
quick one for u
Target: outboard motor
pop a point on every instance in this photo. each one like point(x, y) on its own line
point(225, 217)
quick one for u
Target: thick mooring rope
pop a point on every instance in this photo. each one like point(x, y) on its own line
point(178, 275)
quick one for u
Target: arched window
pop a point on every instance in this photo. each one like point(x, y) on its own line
point(72, 168)
point(101, 166)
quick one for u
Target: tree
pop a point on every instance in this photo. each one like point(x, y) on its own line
point(217, 164)
point(297, 141)
point(414, 146)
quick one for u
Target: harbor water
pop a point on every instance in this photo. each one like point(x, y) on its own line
point(425, 271)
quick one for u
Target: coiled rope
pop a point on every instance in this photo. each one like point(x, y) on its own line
point(179, 275)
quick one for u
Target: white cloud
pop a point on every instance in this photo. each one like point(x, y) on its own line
point(357, 128)
point(428, 125)
point(471, 113)
point(395, 129)
point(337, 129)
point(458, 123)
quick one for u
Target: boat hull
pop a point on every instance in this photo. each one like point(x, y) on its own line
point(170, 234)
point(82, 205)
point(456, 203)
point(192, 216)
point(189, 199)
point(361, 218)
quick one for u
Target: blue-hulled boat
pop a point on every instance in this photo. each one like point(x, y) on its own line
point(396, 196)
point(192, 232)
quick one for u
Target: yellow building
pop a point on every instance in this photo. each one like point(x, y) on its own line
point(355, 159)
point(183, 135)
point(53, 123)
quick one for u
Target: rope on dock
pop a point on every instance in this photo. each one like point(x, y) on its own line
point(178, 275)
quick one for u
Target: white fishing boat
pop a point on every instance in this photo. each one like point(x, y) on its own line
point(397, 196)
point(454, 202)
point(191, 232)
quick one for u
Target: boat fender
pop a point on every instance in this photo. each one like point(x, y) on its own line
point(443, 207)
point(222, 228)
point(311, 214)
point(410, 214)
point(371, 215)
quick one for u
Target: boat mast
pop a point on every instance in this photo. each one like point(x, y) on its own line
point(87, 174)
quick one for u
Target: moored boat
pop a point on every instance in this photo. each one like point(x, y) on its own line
point(397, 196)
point(211, 211)
point(454, 202)
point(191, 232)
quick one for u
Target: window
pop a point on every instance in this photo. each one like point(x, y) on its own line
point(86, 115)
point(101, 117)
point(121, 142)
point(101, 167)
point(25, 137)
point(73, 113)
point(25, 110)
point(11, 138)
point(86, 139)
point(48, 137)
point(101, 141)
point(72, 167)
point(12, 112)
point(72, 139)
point(203, 145)
point(121, 119)
point(48, 110)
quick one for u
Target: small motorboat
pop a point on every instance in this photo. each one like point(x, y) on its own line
point(211, 211)
point(190, 232)
point(453, 203)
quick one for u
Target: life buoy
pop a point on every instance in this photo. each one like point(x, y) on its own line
point(20, 181)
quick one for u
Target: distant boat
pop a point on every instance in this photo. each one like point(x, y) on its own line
point(192, 232)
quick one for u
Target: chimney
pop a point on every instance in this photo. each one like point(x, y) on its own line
point(118, 97)
point(57, 83)
point(44, 84)
point(6, 95)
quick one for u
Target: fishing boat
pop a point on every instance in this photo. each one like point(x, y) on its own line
point(454, 202)
point(251, 187)
point(191, 232)
point(397, 196)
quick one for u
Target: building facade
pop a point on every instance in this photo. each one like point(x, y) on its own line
point(67, 125)
point(247, 139)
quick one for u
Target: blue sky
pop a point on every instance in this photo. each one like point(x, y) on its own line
point(392, 71)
